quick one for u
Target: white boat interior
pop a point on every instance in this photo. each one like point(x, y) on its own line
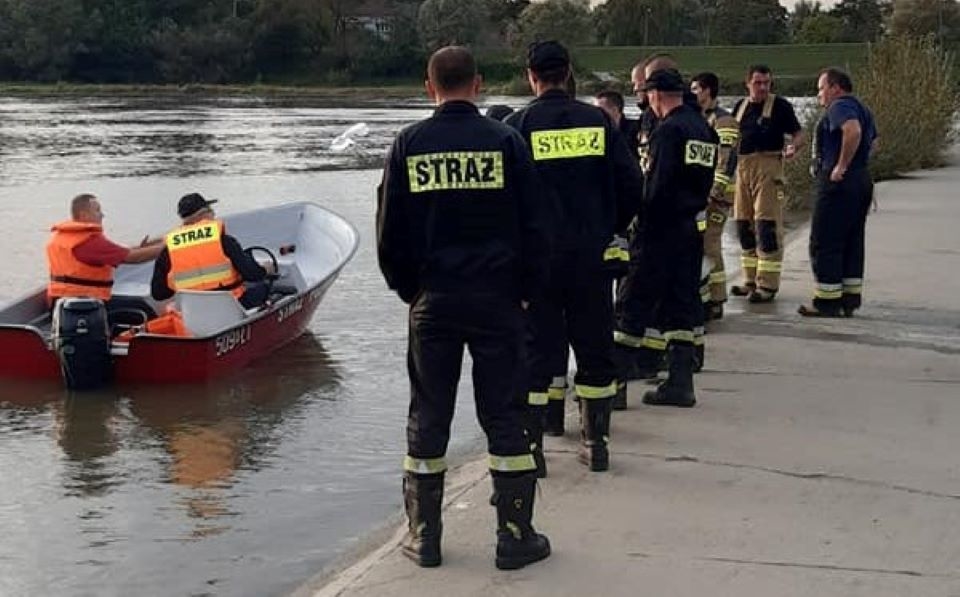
point(310, 244)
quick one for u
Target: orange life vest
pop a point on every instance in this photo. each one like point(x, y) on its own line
point(68, 275)
point(197, 260)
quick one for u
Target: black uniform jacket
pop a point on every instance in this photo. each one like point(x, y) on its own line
point(683, 154)
point(461, 208)
point(586, 164)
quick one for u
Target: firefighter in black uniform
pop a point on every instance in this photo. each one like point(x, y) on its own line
point(683, 152)
point(463, 237)
point(586, 165)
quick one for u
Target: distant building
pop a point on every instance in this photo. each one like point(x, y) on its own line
point(374, 16)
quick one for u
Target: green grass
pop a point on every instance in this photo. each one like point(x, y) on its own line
point(786, 61)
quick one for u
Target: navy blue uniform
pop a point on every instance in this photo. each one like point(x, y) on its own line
point(462, 235)
point(839, 217)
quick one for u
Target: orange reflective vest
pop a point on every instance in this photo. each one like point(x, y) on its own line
point(197, 260)
point(70, 276)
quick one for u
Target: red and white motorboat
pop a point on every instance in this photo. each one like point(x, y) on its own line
point(310, 246)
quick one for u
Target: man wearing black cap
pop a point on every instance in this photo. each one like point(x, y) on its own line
point(462, 237)
point(586, 165)
point(200, 255)
point(683, 155)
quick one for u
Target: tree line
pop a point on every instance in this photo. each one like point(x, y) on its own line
point(323, 41)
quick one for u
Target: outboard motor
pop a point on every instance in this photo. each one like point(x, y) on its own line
point(81, 339)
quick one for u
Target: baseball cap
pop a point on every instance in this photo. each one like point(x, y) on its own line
point(547, 55)
point(668, 79)
point(192, 203)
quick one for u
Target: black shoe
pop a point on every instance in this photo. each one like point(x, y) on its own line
point(712, 311)
point(744, 290)
point(811, 311)
point(677, 390)
point(518, 544)
point(762, 296)
point(423, 500)
point(595, 433)
point(553, 424)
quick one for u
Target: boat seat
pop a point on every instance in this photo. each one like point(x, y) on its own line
point(206, 312)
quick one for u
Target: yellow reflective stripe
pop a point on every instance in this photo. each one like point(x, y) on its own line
point(425, 466)
point(654, 343)
point(509, 464)
point(852, 285)
point(729, 136)
point(721, 178)
point(559, 381)
point(764, 265)
point(827, 294)
point(679, 335)
point(748, 261)
point(852, 281)
point(568, 143)
point(718, 277)
point(455, 170)
point(700, 153)
point(596, 392)
point(537, 398)
point(555, 393)
point(853, 290)
point(627, 340)
point(701, 225)
point(203, 275)
point(698, 336)
point(616, 254)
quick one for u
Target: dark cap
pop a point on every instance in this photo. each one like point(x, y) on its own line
point(668, 79)
point(547, 55)
point(191, 204)
point(499, 111)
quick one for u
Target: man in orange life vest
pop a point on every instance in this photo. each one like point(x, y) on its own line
point(81, 259)
point(200, 255)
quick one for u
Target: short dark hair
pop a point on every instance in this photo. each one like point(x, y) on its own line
point(708, 81)
point(838, 77)
point(614, 97)
point(762, 69)
point(80, 204)
point(451, 68)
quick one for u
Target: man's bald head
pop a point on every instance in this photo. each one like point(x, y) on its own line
point(659, 62)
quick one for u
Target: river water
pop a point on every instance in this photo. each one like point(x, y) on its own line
point(242, 487)
point(247, 486)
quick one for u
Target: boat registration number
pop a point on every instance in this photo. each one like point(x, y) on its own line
point(229, 341)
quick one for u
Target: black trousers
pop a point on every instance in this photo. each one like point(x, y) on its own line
point(491, 327)
point(578, 310)
point(837, 236)
point(662, 289)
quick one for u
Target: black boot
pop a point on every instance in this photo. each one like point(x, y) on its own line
point(518, 544)
point(699, 355)
point(595, 433)
point(620, 399)
point(677, 390)
point(553, 424)
point(535, 421)
point(423, 498)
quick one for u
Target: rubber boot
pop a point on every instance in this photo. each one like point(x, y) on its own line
point(595, 433)
point(553, 424)
point(677, 390)
point(423, 499)
point(620, 398)
point(535, 421)
point(518, 544)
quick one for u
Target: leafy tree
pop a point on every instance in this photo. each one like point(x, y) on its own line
point(444, 22)
point(940, 18)
point(860, 20)
point(822, 28)
point(567, 21)
point(750, 22)
point(289, 33)
point(39, 39)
